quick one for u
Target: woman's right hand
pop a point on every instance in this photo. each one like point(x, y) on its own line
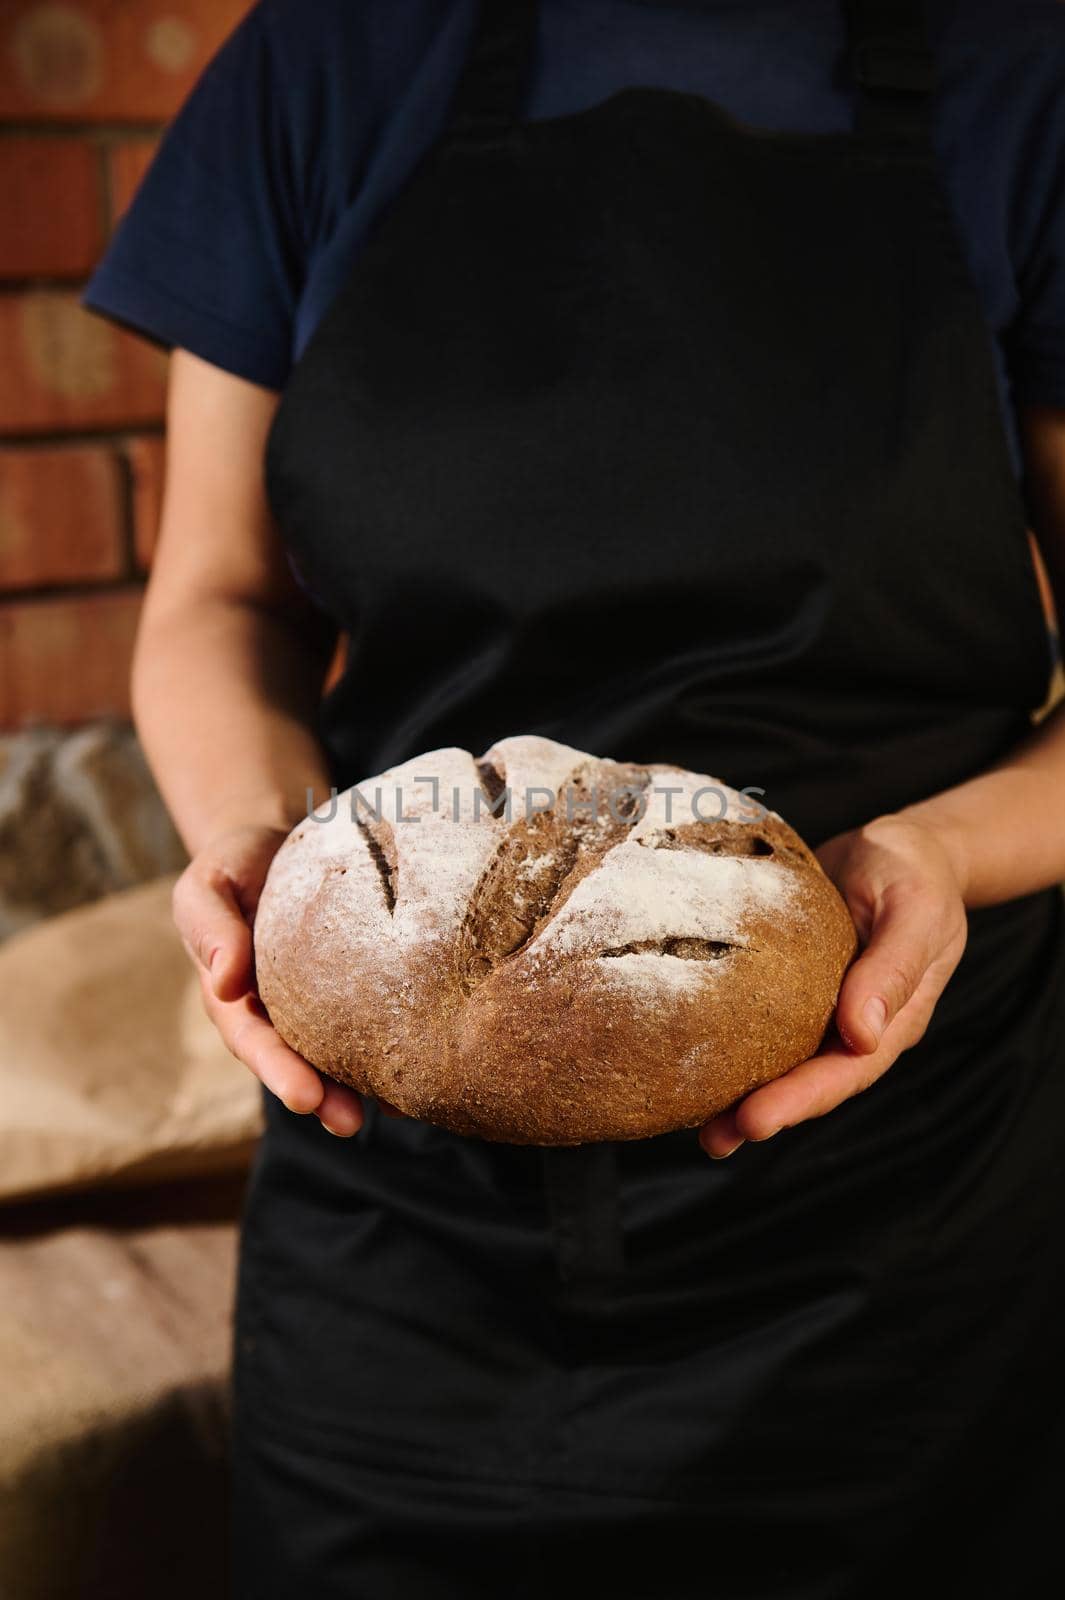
point(214, 903)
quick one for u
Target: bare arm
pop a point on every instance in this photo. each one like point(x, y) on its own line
point(230, 657)
point(228, 668)
point(909, 877)
point(1005, 829)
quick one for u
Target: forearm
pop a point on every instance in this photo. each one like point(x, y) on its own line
point(1005, 829)
point(224, 697)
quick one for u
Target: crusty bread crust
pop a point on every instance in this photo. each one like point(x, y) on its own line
point(615, 951)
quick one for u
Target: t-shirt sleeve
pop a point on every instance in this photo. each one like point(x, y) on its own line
point(1035, 341)
point(210, 255)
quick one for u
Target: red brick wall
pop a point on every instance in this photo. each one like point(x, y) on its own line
point(85, 89)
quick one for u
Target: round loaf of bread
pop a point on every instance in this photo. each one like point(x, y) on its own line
point(539, 946)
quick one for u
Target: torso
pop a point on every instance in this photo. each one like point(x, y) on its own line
point(999, 124)
point(578, 449)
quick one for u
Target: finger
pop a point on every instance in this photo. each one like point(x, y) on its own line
point(720, 1136)
point(340, 1110)
point(213, 930)
point(811, 1089)
point(248, 1035)
point(824, 1081)
point(887, 974)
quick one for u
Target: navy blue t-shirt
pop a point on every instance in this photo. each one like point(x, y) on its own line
point(313, 112)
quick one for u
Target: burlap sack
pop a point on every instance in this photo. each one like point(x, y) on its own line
point(115, 1355)
point(110, 1071)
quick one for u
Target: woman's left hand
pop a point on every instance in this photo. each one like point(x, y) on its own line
point(905, 893)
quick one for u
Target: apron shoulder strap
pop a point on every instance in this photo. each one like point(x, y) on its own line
point(488, 95)
point(892, 67)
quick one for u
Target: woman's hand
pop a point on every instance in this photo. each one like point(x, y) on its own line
point(904, 891)
point(214, 901)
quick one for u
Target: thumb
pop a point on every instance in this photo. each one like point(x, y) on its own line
point(886, 975)
point(212, 926)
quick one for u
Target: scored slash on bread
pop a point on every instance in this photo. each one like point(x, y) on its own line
point(541, 946)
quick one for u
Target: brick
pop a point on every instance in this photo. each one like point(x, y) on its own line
point(66, 660)
point(127, 162)
point(65, 367)
point(147, 462)
point(98, 60)
point(53, 219)
point(60, 515)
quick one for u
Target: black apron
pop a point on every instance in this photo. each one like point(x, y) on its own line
point(676, 440)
